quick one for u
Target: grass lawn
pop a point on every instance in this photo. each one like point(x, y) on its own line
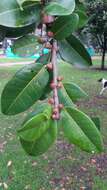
point(12, 60)
point(63, 167)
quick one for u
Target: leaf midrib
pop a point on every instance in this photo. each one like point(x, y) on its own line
point(82, 130)
point(24, 89)
point(14, 10)
point(76, 53)
point(61, 6)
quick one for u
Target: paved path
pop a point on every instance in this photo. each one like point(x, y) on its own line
point(13, 64)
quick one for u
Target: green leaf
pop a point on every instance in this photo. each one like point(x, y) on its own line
point(21, 2)
point(80, 5)
point(44, 59)
point(60, 7)
point(83, 18)
point(80, 130)
point(18, 32)
point(74, 91)
point(47, 90)
point(12, 16)
point(96, 120)
point(42, 144)
point(34, 127)
point(38, 108)
point(24, 89)
point(2, 33)
point(73, 51)
point(82, 12)
point(64, 98)
point(64, 26)
point(26, 46)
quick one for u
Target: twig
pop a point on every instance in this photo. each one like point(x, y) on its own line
point(55, 75)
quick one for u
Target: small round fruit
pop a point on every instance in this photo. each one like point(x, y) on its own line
point(49, 66)
point(55, 110)
point(60, 78)
point(61, 106)
point(59, 85)
point(50, 34)
point(52, 85)
point(54, 116)
point(51, 101)
point(47, 19)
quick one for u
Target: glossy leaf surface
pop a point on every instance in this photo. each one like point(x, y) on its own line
point(18, 32)
point(22, 2)
point(44, 59)
point(64, 98)
point(26, 46)
point(34, 127)
point(64, 26)
point(73, 51)
point(83, 18)
point(24, 89)
point(81, 131)
point(12, 16)
point(42, 144)
point(60, 7)
point(74, 91)
point(96, 120)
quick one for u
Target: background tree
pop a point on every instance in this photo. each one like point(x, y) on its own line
point(39, 83)
point(97, 25)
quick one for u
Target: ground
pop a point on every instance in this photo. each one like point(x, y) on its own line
point(63, 167)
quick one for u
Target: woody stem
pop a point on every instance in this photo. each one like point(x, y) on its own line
point(55, 75)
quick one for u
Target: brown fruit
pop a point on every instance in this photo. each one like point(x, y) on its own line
point(55, 110)
point(51, 101)
point(50, 34)
point(60, 78)
point(47, 19)
point(52, 85)
point(54, 116)
point(59, 85)
point(93, 161)
point(61, 106)
point(49, 66)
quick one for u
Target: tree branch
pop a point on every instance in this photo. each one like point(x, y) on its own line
point(99, 41)
point(55, 76)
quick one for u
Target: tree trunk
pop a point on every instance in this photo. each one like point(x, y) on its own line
point(103, 60)
point(103, 55)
